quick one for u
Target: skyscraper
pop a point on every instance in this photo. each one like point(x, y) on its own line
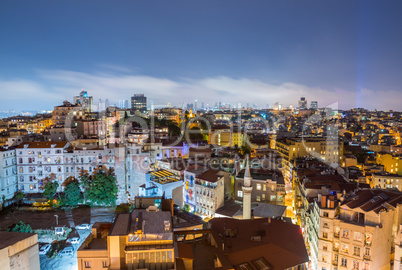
point(314, 105)
point(84, 101)
point(302, 103)
point(139, 102)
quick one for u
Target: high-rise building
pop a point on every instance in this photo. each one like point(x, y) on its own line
point(314, 105)
point(123, 104)
point(139, 102)
point(84, 101)
point(302, 103)
point(195, 105)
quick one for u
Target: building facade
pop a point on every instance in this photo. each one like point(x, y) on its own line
point(8, 173)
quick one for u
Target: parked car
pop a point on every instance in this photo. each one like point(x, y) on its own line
point(67, 251)
point(44, 249)
point(83, 226)
point(73, 240)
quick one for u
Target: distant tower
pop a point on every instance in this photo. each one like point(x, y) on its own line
point(247, 188)
point(139, 103)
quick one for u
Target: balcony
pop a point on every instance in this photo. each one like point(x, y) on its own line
point(367, 244)
point(336, 235)
point(335, 263)
point(336, 249)
point(366, 257)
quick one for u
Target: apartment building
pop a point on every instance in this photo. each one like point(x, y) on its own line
point(289, 149)
point(268, 186)
point(39, 160)
point(67, 112)
point(361, 233)
point(8, 173)
point(385, 180)
point(391, 163)
point(19, 251)
point(190, 175)
point(209, 192)
point(142, 239)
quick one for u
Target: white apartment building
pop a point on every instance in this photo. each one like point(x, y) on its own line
point(38, 160)
point(360, 234)
point(8, 173)
point(386, 180)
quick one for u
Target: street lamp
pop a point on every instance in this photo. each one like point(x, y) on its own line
point(57, 219)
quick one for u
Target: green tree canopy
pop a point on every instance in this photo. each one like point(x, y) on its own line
point(20, 227)
point(50, 189)
point(100, 188)
point(72, 192)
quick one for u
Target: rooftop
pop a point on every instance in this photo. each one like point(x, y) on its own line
point(275, 242)
point(10, 238)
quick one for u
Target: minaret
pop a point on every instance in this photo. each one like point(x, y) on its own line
point(247, 188)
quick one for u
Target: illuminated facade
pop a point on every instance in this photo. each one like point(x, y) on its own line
point(139, 102)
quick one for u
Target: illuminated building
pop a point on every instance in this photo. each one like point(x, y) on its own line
point(314, 105)
point(139, 103)
point(83, 100)
point(142, 239)
point(302, 103)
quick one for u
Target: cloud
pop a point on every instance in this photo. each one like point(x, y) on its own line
point(57, 85)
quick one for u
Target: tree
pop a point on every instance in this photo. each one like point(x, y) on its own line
point(72, 192)
point(50, 189)
point(20, 227)
point(100, 188)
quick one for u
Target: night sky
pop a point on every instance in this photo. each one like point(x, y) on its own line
point(230, 51)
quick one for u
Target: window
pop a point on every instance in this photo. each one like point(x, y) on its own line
point(344, 262)
point(345, 248)
point(355, 265)
point(87, 264)
point(345, 234)
point(21, 169)
point(325, 235)
point(356, 251)
point(239, 193)
point(325, 247)
point(258, 198)
point(325, 214)
point(264, 187)
point(367, 252)
point(357, 236)
point(263, 197)
point(325, 225)
point(258, 186)
point(366, 266)
point(105, 264)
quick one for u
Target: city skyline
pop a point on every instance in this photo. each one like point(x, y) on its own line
point(262, 53)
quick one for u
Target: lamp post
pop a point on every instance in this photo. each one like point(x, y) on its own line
point(57, 219)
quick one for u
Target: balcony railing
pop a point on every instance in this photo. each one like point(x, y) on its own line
point(335, 263)
point(366, 257)
point(336, 235)
point(335, 249)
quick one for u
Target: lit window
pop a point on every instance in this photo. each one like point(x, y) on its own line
point(239, 193)
point(258, 186)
